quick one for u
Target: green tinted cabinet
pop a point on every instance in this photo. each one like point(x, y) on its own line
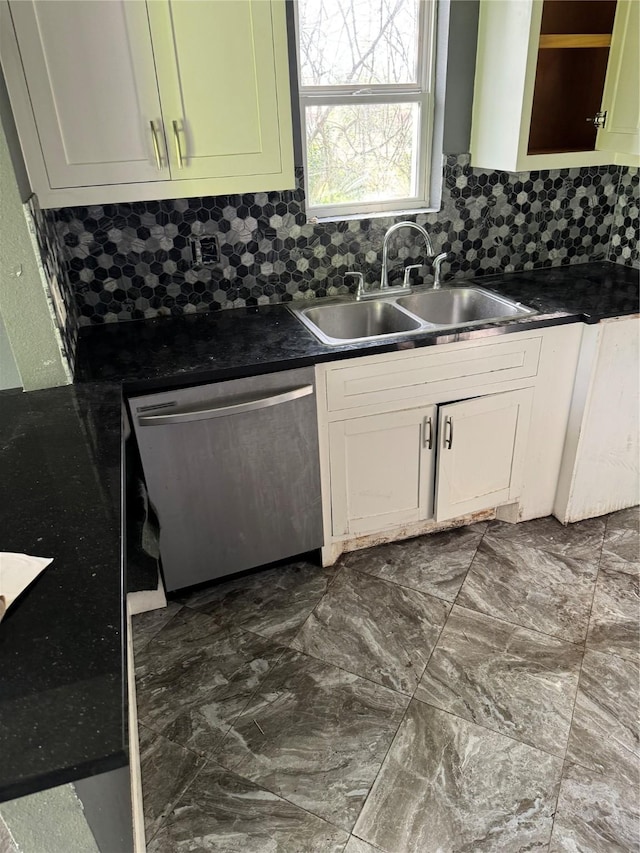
point(549, 74)
point(121, 100)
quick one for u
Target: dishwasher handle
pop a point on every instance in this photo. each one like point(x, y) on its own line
point(186, 415)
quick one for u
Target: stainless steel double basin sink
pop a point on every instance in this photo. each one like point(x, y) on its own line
point(342, 321)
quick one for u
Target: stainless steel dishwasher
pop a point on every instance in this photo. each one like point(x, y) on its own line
point(233, 473)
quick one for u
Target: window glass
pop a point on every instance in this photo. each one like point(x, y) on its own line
point(345, 42)
point(361, 152)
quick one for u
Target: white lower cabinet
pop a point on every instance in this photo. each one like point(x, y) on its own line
point(426, 439)
point(445, 461)
point(382, 470)
point(481, 452)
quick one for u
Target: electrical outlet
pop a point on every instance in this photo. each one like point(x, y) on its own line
point(204, 251)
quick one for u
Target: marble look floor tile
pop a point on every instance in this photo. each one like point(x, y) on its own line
point(273, 603)
point(195, 677)
point(373, 628)
point(315, 735)
point(450, 785)
point(595, 814)
point(166, 769)
point(581, 540)
point(356, 845)
point(222, 812)
point(614, 625)
point(515, 681)
point(435, 564)
point(622, 536)
point(536, 589)
point(145, 626)
point(605, 734)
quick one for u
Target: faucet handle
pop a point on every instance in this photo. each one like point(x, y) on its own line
point(359, 277)
point(436, 263)
point(406, 281)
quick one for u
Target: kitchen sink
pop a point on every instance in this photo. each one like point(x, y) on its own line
point(341, 322)
point(344, 320)
point(461, 306)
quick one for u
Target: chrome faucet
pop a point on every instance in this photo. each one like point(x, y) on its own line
point(384, 279)
point(385, 289)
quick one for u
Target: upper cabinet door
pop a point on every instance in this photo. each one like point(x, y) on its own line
point(621, 132)
point(91, 77)
point(481, 452)
point(216, 65)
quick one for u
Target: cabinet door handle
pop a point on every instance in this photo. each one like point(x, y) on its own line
point(176, 137)
point(427, 432)
point(448, 433)
point(156, 147)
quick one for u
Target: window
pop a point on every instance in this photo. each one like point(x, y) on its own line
point(365, 72)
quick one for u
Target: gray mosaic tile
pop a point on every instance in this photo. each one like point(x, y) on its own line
point(131, 261)
point(623, 245)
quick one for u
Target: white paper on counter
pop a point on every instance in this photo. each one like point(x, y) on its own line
point(17, 571)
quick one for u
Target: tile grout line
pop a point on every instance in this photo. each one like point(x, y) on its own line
point(176, 802)
point(575, 698)
point(473, 722)
point(616, 203)
point(262, 786)
point(330, 583)
point(411, 699)
point(518, 624)
point(449, 601)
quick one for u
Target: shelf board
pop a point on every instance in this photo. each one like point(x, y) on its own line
point(533, 151)
point(575, 40)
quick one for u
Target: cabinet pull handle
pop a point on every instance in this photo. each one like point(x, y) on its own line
point(156, 147)
point(252, 405)
point(427, 426)
point(448, 433)
point(176, 137)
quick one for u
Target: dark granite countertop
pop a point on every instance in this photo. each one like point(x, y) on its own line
point(62, 701)
point(171, 351)
point(61, 643)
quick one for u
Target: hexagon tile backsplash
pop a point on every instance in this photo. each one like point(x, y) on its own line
point(131, 261)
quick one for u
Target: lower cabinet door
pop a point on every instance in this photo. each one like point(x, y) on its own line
point(382, 470)
point(481, 448)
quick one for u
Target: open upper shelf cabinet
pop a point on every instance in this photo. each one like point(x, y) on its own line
point(556, 84)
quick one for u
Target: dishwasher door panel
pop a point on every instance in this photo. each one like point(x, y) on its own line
point(232, 470)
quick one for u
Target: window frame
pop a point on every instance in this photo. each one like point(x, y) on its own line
point(422, 92)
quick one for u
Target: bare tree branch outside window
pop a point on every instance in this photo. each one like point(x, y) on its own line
point(360, 151)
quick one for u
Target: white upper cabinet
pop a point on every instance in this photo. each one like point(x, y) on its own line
point(540, 93)
point(621, 98)
point(124, 100)
point(217, 77)
point(89, 70)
